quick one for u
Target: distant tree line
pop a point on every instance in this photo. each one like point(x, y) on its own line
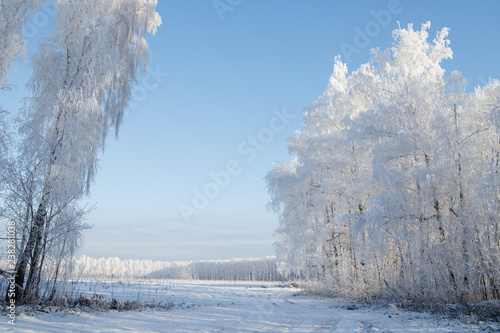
point(262, 269)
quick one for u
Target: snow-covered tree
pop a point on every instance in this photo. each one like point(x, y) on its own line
point(81, 83)
point(385, 185)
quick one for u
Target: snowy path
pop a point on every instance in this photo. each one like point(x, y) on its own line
point(240, 308)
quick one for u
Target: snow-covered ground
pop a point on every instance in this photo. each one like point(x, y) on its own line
point(218, 307)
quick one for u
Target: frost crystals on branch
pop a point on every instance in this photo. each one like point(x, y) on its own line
point(14, 14)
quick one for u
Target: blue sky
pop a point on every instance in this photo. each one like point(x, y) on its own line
point(230, 72)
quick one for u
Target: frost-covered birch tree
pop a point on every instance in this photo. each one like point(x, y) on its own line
point(81, 83)
point(388, 179)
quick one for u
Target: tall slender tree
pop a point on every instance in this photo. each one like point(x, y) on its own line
point(81, 83)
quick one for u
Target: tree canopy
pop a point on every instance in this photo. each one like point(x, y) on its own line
point(392, 188)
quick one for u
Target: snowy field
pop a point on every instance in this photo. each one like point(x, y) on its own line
point(188, 306)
